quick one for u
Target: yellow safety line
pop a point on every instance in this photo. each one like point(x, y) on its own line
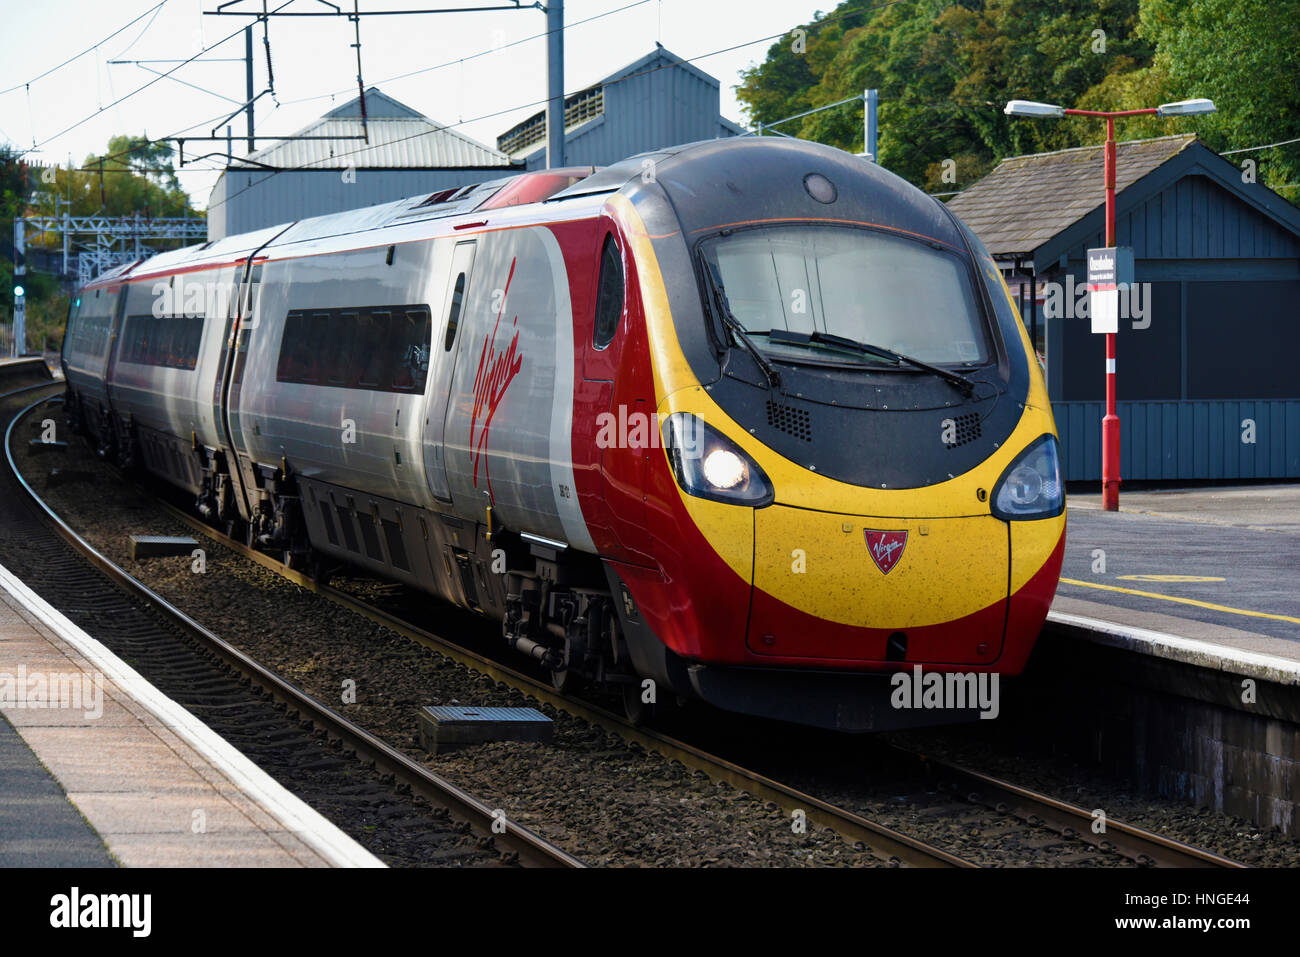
point(1183, 601)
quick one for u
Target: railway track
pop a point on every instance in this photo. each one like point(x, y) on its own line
point(149, 625)
point(1141, 846)
point(1007, 800)
point(890, 844)
point(1137, 844)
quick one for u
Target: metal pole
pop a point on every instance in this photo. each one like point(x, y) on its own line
point(20, 302)
point(555, 84)
point(1110, 424)
point(248, 80)
point(869, 118)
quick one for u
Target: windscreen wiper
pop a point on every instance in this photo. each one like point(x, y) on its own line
point(737, 328)
point(962, 382)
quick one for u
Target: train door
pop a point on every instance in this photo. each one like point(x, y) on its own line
point(442, 363)
point(630, 430)
point(243, 325)
point(114, 337)
point(220, 327)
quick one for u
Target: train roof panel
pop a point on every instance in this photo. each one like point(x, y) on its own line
point(709, 182)
point(611, 179)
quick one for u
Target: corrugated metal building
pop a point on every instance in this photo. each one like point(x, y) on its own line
point(660, 100)
point(1207, 376)
point(407, 154)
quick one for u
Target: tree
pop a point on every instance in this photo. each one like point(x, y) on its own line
point(944, 71)
point(134, 177)
point(1244, 56)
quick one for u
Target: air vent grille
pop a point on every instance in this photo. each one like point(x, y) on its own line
point(968, 429)
point(788, 419)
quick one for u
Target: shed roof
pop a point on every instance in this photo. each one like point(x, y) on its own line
point(1027, 200)
point(400, 138)
point(586, 105)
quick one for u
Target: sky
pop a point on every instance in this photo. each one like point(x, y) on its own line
point(486, 80)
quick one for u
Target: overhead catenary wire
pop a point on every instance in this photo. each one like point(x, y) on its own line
point(127, 96)
point(178, 135)
point(71, 59)
point(471, 56)
point(542, 102)
point(1266, 146)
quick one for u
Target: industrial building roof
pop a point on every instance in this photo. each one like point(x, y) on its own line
point(399, 138)
point(1059, 188)
point(589, 105)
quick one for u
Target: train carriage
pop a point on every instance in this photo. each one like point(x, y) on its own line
point(746, 421)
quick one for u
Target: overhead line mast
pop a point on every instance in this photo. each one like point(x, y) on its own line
point(554, 56)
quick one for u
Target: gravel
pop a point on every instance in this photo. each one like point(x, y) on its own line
point(601, 798)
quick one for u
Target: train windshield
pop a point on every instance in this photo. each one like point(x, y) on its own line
point(812, 284)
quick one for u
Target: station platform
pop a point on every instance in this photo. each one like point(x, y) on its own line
point(1217, 567)
point(99, 769)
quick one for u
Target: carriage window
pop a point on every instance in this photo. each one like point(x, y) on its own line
point(339, 330)
point(453, 317)
point(409, 347)
point(609, 295)
point(380, 349)
point(168, 341)
point(372, 332)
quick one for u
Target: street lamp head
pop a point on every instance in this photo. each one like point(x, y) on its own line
point(1030, 108)
point(1185, 108)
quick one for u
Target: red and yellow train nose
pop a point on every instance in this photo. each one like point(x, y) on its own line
point(849, 587)
point(955, 574)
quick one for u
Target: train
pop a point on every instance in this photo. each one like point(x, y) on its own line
point(750, 421)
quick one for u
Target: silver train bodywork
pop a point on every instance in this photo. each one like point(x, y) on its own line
point(394, 481)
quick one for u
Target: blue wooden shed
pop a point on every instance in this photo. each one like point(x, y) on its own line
point(1208, 382)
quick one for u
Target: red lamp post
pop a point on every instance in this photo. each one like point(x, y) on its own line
point(1110, 455)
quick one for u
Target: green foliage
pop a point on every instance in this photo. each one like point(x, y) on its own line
point(47, 311)
point(136, 178)
point(945, 70)
point(1244, 56)
point(132, 177)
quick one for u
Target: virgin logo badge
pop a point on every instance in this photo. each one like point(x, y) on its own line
point(496, 370)
point(886, 548)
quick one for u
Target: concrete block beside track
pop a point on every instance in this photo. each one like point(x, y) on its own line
point(448, 727)
point(159, 546)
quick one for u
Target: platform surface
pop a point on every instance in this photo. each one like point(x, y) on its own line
point(1218, 565)
point(106, 765)
point(39, 826)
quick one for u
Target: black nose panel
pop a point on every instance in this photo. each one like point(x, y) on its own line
point(787, 418)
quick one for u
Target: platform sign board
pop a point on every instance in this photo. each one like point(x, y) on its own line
point(1110, 271)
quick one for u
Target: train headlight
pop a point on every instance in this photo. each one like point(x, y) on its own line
point(723, 468)
point(1031, 487)
point(707, 464)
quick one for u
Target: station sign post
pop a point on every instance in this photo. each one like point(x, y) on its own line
point(1109, 270)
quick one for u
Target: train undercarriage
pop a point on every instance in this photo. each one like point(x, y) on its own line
point(554, 604)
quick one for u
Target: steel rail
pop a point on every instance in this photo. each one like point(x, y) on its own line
point(1037, 809)
point(1136, 843)
point(888, 843)
point(533, 850)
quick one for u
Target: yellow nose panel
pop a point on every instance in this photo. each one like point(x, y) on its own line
point(822, 563)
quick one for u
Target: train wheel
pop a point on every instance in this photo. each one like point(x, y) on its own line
point(637, 711)
point(565, 680)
